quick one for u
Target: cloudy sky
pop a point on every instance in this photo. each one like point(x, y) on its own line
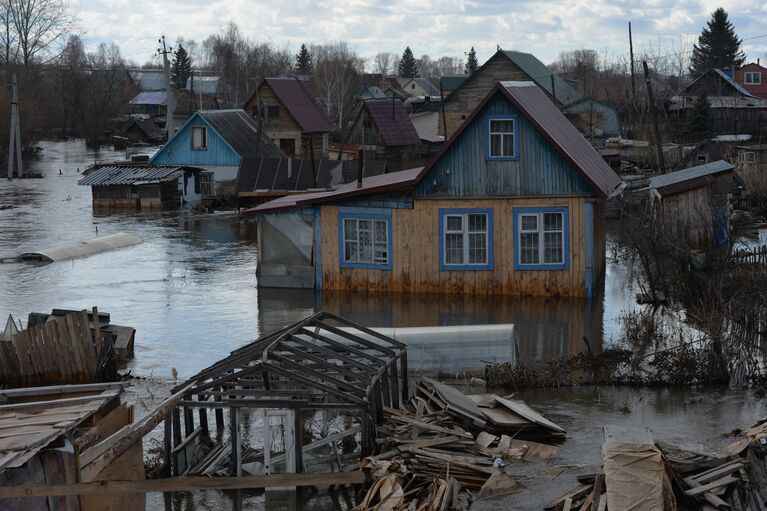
point(447, 27)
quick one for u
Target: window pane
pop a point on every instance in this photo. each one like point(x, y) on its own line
point(478, 223)
point(454, 223)
point(502, 126)
point(477, 248)
point(529, 222)
point(380, 231)
point(508, 145)
point(495, 144)
point(350, 229)
point(454, 249)
point(553, 251)
point(552, 221)
point(528, 249)
point(366, 242)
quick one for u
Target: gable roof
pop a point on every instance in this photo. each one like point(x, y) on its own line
point(542, 75)
point(425, 84)
point(122, 175)
point(149, 98)
point(689, 178)
point(450, 83)
point(294, 96)
point(727, 79)
point(240, 131)
point(392, 122)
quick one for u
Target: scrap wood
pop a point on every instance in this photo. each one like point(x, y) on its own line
point(573, 495)
point(724, 481)
point(385, 495)
point(500, 484)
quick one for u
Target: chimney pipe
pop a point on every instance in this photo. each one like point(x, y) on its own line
point(360, 166)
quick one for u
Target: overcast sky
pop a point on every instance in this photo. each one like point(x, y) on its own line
point(436, 28)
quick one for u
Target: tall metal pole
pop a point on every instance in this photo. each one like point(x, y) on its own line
point(654, 114)
point(170, 97)
point(14, 133)
point(631, 53)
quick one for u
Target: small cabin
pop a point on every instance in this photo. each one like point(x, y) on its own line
point(290, 117)
point(218, 142)
point(513, 204)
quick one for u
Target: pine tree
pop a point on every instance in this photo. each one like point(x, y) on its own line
point(181, 68)
point(408, 67)
point(718, 46)
point(471, 62)
point(699, 120)
point(303, 61)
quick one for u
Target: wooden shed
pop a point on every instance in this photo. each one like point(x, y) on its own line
point(513, 204)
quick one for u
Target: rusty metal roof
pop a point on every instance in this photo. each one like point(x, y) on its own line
point(392, 122)
point(131, 175)
point(300, 104)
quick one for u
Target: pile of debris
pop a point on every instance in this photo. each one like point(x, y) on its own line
point(443, 441)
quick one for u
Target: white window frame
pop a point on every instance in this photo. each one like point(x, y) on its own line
point(376, 261)
point(466, 235)
point(204, 141)
point(210, 184)
point(752, 75)
point(748, 157)
point(503, 134)
point(540, 230)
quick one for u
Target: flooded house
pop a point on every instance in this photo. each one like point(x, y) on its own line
point(144, 186)
point(504, 65)
point(383, 129)
point(290, 117)
point(513, 204)
point(219, 143)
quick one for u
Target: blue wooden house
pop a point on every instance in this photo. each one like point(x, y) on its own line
point(513, 204)
point(220, 142)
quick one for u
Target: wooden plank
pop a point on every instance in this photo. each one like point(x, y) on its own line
point(724, 481)
point(183, 483)
point(53, 390)
point(528, 413)
point(106, 395)
point(573, 494)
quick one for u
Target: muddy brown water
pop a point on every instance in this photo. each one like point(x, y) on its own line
point(190, 291)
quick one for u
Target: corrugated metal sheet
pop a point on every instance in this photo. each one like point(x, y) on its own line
point(680, 176)
point(241, 132)
point(392, 122)
point(266, 174)
point(301, 106)
point(149, 98)
point(149, 80)
point(542, 75)
point(129, 175)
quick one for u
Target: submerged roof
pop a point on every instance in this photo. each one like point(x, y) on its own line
point(300, 104)
point(241, 132)
point(690, 174)
point(117, 175)
point(392, 122)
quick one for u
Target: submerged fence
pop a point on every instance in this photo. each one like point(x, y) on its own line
point(64, 350)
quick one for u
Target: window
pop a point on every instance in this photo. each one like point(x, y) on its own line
point(541, 239)
point(501, 138)
point(753, 78)
point(412, 86)
point(747, 157)
point(466, 239)
point(365, 240)
point(199, 138)
point(273, 111)
point(206, 184)
point(702, 159)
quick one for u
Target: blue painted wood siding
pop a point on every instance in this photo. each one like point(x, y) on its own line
point(464, 171)
point(178, 151)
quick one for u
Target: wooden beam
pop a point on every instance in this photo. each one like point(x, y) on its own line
point(106, 395)
point(53, 390)
point(272, 403)
point(183, 483)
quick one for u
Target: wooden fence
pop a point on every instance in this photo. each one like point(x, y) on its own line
point(756, 255)
point(64, 350)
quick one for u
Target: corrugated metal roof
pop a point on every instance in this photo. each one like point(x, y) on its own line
point(300, 104)
point(267, 174)
point(131, 175)
point(392, 122)
point(203, 84)
point(680, 176)
point(542, 75)
point(738, 87)
point(241, 132)
point(401, 180)
point(149, 98)
point(149, 80)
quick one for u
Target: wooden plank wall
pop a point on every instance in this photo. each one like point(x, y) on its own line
point(415, 253)
point(61, 351)
point(179, 149)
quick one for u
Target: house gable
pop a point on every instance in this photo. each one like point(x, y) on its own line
point(464, 169)
point(178, 150)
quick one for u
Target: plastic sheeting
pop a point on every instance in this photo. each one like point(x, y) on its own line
point(82, 248)
point(285, 250)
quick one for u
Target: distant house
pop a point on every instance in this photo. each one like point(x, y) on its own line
point(513, 204)
point(148, 80)
point(220, 142)
point(290, 117)
point(694, 203)
point(504, 65)
point(753, 78)
point(595, 119)
point(451, 83)
point(143, 186)
point(384, 131)
point(155, 104)
point(421, 87)
point(752, 156)
point(144, 131)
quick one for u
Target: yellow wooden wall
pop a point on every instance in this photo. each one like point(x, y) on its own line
point(415, 254)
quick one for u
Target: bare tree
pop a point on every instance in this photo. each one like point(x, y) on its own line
point(8, 38)
point(383, 62)
point(337, 79)
point(39, 25)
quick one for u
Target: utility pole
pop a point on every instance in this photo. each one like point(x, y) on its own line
point(654, 115)
point(170, 97)
point(631, 54)
point(14, 135)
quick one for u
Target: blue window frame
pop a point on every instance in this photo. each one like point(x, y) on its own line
point(364, 238)
point(502, 131)
point(465, 239)
point(541, 238)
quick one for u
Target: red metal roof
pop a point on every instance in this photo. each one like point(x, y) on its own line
point(392, 122)
point(301, 106)
point(381, 183)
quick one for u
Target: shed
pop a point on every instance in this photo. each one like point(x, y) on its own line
point(143, 186)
